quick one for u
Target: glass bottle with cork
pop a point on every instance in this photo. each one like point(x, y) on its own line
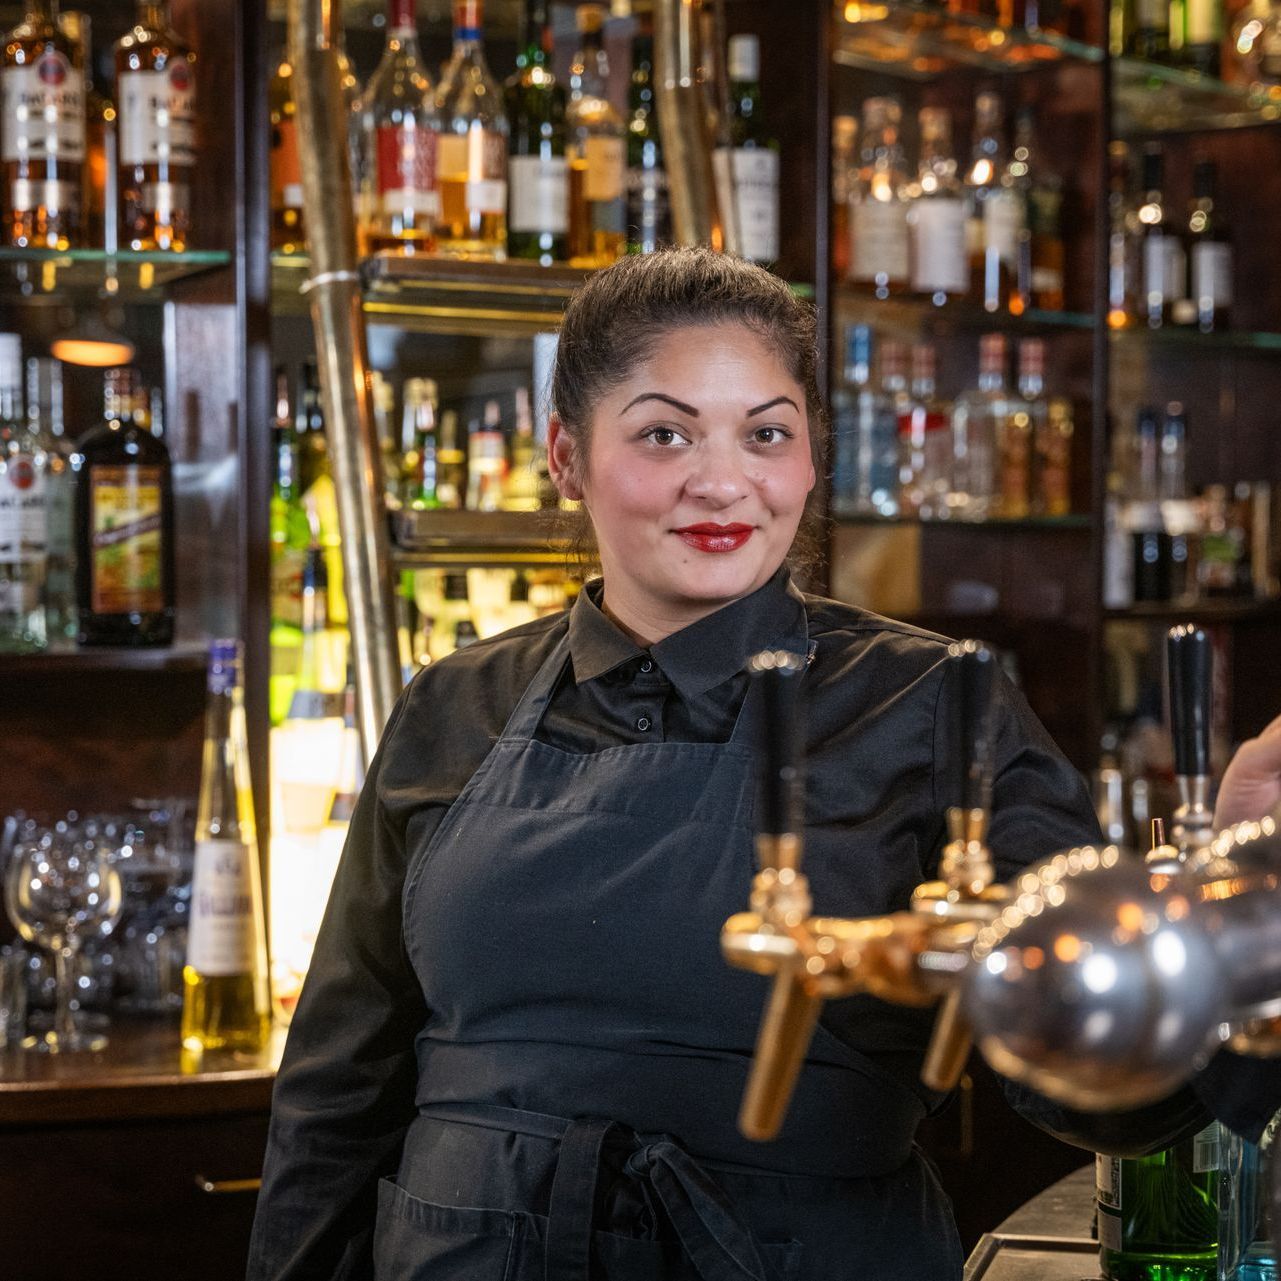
point(936, 214)
point(156, 102)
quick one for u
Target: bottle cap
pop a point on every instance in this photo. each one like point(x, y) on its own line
point(456, 586)
point(744, 61)
point(468, 18)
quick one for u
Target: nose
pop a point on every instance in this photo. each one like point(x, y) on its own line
point(717, 478)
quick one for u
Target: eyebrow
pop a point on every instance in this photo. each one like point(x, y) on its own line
point(769, 404)
point(693, 413)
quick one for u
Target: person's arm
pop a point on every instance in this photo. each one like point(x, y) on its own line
point(1251, 786)
point(345, 1092)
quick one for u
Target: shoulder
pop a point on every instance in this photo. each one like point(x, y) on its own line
point(846, 636)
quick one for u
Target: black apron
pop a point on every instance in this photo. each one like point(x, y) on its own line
point(586, 1049)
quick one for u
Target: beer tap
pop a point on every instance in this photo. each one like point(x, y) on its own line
point(1188, 655)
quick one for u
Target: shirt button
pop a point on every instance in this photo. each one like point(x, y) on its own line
point(643, 723)
point(647, 666)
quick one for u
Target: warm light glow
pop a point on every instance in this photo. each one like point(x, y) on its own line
point(1033, 958)
point(92, 352)
point(1067, 948)
point(1129, 917)
point(856, 11)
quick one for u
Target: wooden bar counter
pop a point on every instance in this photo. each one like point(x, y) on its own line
point(136, 1162)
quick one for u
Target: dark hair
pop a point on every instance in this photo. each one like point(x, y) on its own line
point(616, 319)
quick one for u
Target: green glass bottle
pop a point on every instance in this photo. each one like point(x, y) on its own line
point(649, 213)
point(1158, 1216)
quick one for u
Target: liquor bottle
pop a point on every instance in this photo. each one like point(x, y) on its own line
point(878, 211)
point(42, 135)
point(399, 195)
point(420, 399)
point(1039, 275)
point(1021, 425)
point(124, 528)
point(936, 214)
point(1255, 44)
point(23, 512)
point(100, 170)
point(1172, 461)
point(995, 222)
point(1150, 34)
point(1209, 253)
point(45, 420)
point(318, 493)
point(471, 160)
point(225, 1004)
point(1160, 256)
point(976, 418)
point(156, 101)
point(537, 170)
point(749, 165)
point(1053, 473)
point(451, 463)
point(649, 213)
point(1122, 219)
point(844, 176)
point(925, 444)
point(1197, 45)
point(522, 489)
point(486, 461)
point(597, 151)
point(290, 538)
point(867, 480)
point(288, 233)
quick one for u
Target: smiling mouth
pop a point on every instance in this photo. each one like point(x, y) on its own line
point(715, 538)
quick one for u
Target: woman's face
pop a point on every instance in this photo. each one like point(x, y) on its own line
point(696, 476)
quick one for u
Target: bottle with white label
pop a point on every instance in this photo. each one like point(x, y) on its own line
point(878, 211)
point(226, 1004)
point(597, 151)
point(471, 158)
point(398, 196)
point(749, 165)
point(1209, 253)
point(1162, 264)
point(42, 134)
point(23, 512)
point(936, 214)
point(46, 421)
point(156, 101)
point(995, 223)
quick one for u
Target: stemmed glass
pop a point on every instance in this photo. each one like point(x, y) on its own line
point(59, 887)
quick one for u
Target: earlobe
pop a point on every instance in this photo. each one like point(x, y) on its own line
point(561, 460)
point(809, 489)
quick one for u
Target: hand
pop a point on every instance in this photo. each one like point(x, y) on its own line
point(1251, 786)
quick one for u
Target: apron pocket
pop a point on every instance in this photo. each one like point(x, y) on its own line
point(623, 1258)
point(416, 1241)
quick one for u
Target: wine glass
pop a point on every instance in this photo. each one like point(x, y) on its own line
point(60, 885)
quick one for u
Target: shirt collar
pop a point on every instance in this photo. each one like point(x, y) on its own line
point(706, 653)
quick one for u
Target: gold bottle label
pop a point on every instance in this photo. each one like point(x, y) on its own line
point(125, 540)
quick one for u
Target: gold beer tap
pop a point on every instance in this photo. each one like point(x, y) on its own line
point(910, 957)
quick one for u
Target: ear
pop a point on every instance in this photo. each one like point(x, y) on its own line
point(562, 460)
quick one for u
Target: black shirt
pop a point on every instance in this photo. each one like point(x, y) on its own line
point(880, 772)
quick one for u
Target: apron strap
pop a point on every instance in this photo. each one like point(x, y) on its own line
point(569, 1224)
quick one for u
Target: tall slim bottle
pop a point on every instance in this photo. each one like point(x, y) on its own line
point(45, 419)
point(1161, 260)
point(878, 210)
point(537, 169)
point(23, 512)
point(649, 213)
point(100, 169)
point(996, 214)
point(976, 423)
point(471, 158)
point(936, 214)
point(226, 1004)
point(752, 156)
point(1039, 275)
point(290, 539)
point(156, 100)
point(42, 134)
point(1210, 267)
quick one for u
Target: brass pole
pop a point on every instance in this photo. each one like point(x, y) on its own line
point(333, 291)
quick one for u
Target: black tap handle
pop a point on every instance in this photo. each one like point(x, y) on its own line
point(1188, 649)
point(974, 747)
point(782, 745)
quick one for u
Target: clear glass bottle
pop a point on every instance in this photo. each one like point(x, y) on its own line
point(1172, 461)
point(1122, 220)
point(45, 418)
point(399, 200)
point(867, 481)
point(995, 221)
point(472, 156)
point(751, 159)
point(522, 489)
point(1246, 1249)
point(537, 168)
point(936, 214)
point(99, 201)
point(1039, 273)
point(23, 512)
point(451, 463)
point(226, 1003)
point(878, 251)
point(42, 134)
point(976, 419)
point(1161, 262)
point(1196, 35)
point(1210, 259)
point(486, 461)
point(925, 444)
point(156, 102)
point(649, 213)
point(288, 232)
point(597, 151)
point(1021, 425)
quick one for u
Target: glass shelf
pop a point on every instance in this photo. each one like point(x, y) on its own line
point(1151, 98)
point(919, 41)
point(919, 313)
point(1187, 338)
point(435, 539)
point(1205, 611)
point(63, 661)
point(137, 276)
point(1073, 521)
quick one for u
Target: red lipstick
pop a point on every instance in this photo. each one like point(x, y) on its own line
point(710, 537)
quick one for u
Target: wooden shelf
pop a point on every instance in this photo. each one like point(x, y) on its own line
point(443, 539)
point(1207, 611)
point(105, 659)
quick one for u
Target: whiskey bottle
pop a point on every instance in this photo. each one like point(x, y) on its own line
point(124, 528)
point(1053, 473)
point(451, 463)
point(936, 214)
point(288, 234)
point(1040, 270)
point(597, 151)
point(399, 199)
point(1160, 256)
point(995, 222)
point(156, 100)
point(537, 170)
point(42, 134)
point(751, 159)
point(878, 211)
point(649, 213)
point(99, 202)
point(486, 461)
point(522, 488)
point(23, 512)
point(472, 152)
point(1209, 253)
point(1021, 425)
point(226, 1003)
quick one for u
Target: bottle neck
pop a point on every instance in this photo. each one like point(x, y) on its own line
point(154, 15)
point(991, 380)
point(224, 810)
point(42, 13)
point(591, 67)
point(1031, 384)
point(537, 36)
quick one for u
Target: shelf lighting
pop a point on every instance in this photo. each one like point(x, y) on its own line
point(92, 342)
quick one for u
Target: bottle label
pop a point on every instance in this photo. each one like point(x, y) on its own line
point(59, 511)
point(158, 116)
point(1212, 274)
point(222, 938)
point(286, 585)
point(879, 232)
point(23, 512)
point(44, 110)
point(939, 264)
point(1003, 224)
point(754, 171)
point(1164, 267)
point(125, 540)
point(606, 160)
point(1046, 280)
point(539, 194)
point(477, 159)
point(286, 168)
point(1107, 1199)
point(407, 168)
point(649, 222)
point(1207, 1149)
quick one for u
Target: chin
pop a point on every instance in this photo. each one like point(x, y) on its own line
point(721, 583)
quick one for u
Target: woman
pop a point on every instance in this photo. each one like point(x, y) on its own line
point(519, 1053)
